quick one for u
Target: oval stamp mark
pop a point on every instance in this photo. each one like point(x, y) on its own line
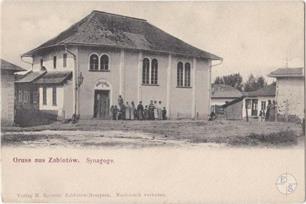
point(286, 183)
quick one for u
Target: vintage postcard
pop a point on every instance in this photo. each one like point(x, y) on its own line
point(165, 102)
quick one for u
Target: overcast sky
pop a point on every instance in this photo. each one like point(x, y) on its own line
point(251, 37)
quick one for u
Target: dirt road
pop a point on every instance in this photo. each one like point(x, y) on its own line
point(155, 133)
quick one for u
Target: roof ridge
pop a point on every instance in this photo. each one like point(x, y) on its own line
point(114, 14)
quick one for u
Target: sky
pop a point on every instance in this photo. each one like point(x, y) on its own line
point(252, 38)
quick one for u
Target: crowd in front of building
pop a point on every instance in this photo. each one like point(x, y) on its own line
point(129, 111)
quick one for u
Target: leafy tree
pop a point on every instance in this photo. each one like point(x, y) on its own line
point(219, 80)
point(234, 80)
point(254, 83)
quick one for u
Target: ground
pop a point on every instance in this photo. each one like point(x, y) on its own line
point(156, 133)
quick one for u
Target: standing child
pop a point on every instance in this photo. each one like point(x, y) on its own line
point(133, 110)
point(164, 113)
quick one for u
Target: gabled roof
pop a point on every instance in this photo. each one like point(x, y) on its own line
point(287, 72)
point(265, 91)
point(112, 30)
point(55, 77)
point(224, 91)
point(7, 66)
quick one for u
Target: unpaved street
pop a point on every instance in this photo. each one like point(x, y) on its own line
point(155, 133)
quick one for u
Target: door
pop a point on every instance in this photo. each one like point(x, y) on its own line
point(101, 104)
point(254, 107)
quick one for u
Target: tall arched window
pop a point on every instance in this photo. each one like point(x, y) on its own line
point(154, 71)
point(187, 75)
point(180, 74)
point(93, 62)
point(145, 71)
point(104, 61)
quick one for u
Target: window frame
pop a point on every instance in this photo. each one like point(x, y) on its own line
point(44, 96)
point(187, 78)
point(183, 78)
point(146, 79)
point(154, 75)
point(108, 64)
point(89, 62)
point(180, 75)
point(65, 59)
point(54, 62)
point(41, 62)
point(54, 96)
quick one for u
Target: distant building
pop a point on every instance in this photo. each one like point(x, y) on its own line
point(250, 104)
point(222, 94)
point(257, 100)
point(118, 55)
point(289, 92)
point(8, 91)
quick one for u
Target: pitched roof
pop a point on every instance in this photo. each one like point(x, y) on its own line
point(224, 91)
point(112, 30)
point(287, 72)
point(30, 77)
point(55, 77)
point(265, 91)
point(5, 65)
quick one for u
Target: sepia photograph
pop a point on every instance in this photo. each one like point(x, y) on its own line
point(153, 102)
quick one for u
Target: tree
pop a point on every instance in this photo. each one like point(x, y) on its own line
point(254, 83)
point(219, 80)
point(234, 80)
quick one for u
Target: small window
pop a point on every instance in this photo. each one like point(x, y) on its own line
point(20, 95)
point(54, 62)
point(54, 96)
point(26, 96)
point(187, 75)
point(44, 95)
point(104, 62)
point(180, 74)
point(93, 62)
point(154, 71)
point(65, 60)
point(145, 71)
point(41, 63)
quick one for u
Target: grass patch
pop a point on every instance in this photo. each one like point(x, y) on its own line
point(283, 138)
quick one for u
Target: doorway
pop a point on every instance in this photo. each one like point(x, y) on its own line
point(101, 104)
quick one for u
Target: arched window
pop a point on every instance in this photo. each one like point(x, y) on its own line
point(187, 75)
point(154, 71)
point(180, 74)
point(93, 62)
point(145, 71)
point(104, 61)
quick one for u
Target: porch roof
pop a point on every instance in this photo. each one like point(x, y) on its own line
point(55, 77)
point(30, 77)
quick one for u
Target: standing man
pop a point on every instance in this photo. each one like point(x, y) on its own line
point(127, 111)
point(159, 110)
point(140, 110)
point(151, 110)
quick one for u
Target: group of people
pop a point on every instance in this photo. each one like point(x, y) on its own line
point(128, 111)
point(269, 114)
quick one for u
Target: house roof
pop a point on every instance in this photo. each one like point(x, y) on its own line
point(265, 91)
point(30, 77)
point(112, 30)
point(224, 91)
point(287, 72)
point(7, 66)
point(55, 77)
point(232, 102)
